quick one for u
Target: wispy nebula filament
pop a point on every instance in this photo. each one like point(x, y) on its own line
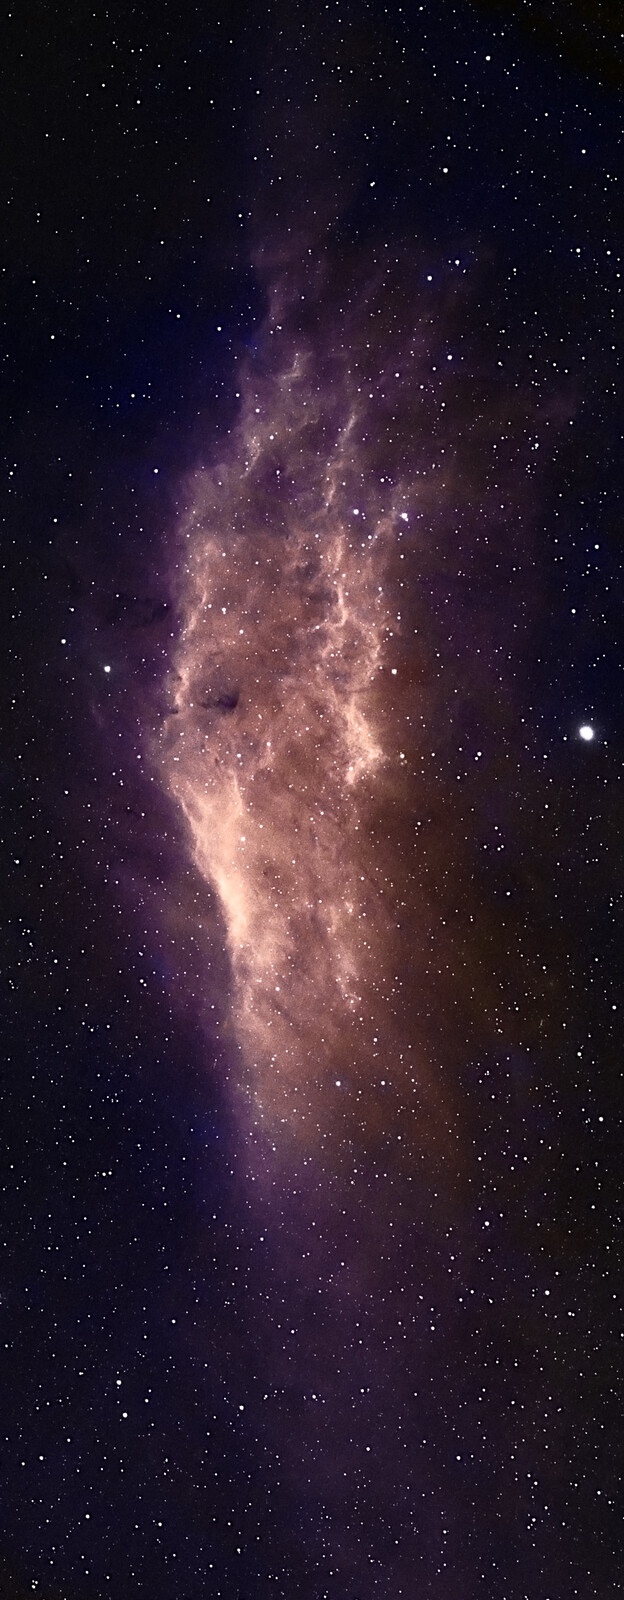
point(283, 730)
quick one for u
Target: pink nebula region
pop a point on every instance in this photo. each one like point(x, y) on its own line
point(352, 578)
point(297, 699)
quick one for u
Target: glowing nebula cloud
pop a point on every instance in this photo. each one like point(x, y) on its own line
point(353, 574)
point(292, 718)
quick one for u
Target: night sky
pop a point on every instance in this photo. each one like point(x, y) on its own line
point(313, 724)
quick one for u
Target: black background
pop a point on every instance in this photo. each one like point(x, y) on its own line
point(142, 151)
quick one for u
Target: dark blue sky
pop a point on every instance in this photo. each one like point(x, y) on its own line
point(157, 1435)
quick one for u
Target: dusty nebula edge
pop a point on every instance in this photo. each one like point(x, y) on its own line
point(313, 553)
point(317, 571)
point(290, 727)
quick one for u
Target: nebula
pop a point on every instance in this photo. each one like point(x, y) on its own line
point(292, 730)
point(352, 585)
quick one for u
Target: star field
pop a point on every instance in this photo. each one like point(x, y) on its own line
point(311, 804)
